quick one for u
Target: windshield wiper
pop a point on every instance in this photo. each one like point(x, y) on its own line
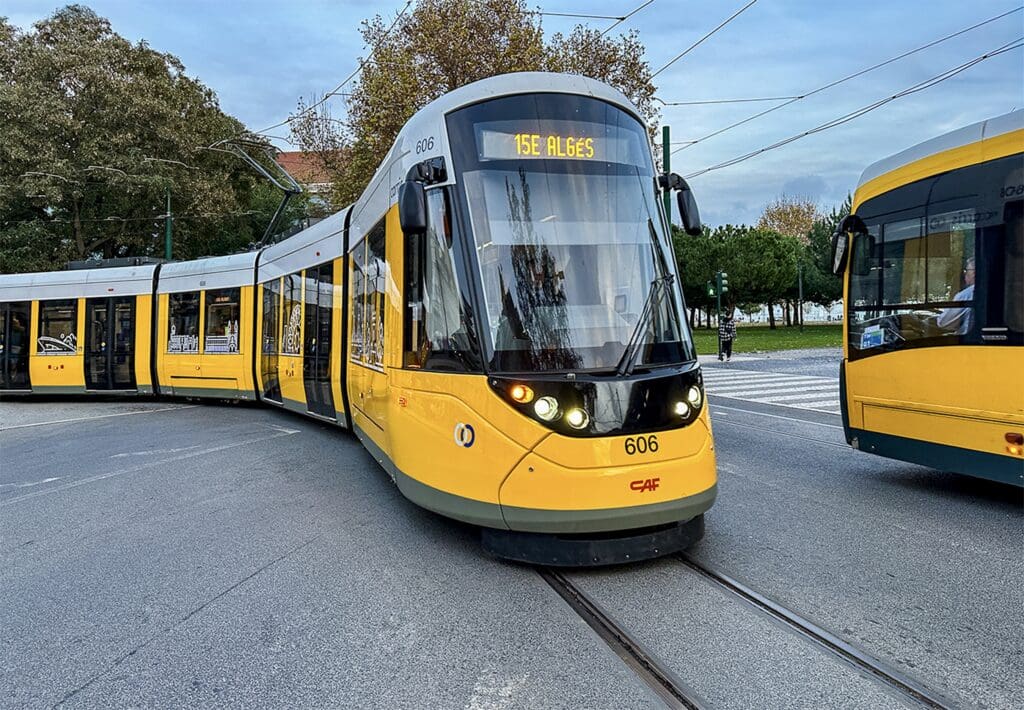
point(629, 357)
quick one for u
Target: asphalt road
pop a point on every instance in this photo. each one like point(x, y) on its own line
point(155, 554)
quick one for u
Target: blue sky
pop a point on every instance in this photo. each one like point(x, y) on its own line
point(261, 56)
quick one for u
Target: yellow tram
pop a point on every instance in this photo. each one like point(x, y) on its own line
point(934, 301)
point(498, 318)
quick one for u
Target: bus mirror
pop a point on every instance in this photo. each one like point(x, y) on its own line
point(412, 208)
point(840, 244)
point(841, 241)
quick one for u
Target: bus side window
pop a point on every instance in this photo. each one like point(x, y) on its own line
point(1013, 284)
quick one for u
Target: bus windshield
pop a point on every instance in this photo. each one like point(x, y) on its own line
point(941, 263)
point(573, 259)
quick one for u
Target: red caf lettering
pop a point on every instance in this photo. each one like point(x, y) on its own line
point(646, 484)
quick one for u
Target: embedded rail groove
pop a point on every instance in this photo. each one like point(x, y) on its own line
point(882, 672)
point(672, 691)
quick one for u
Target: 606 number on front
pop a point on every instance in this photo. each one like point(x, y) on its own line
point(641, 444)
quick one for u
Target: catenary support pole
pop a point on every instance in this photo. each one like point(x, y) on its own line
point(168, 229)
point(666, 151)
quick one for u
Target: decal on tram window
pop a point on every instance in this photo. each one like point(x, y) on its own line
point(46, 345)
point(182, 343)
point(57, 325)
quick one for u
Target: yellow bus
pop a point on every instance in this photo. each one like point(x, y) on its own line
point(933, 263)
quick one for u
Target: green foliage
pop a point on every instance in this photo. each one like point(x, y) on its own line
point(96, 131)
point(821, 286)
point(761, 264)
point(442, 45)
point(760, 338)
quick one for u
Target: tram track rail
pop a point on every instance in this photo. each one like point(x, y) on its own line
point(673, 692)
point(903, 684)
point(676, 694)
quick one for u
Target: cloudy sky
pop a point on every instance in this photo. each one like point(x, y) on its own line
point(260, 56)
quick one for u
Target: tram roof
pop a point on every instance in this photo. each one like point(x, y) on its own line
point(78, 283)
point(314, 245)
point(209, 273)
point(429, 121)
point(989, 128)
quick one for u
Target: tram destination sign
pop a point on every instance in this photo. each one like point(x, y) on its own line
point(578, 145)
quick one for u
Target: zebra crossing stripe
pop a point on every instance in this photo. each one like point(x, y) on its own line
point(791, 397)
point(736, 386)
point(827, 404)
point(766, 382)
point(781, 394)
point(797, 391)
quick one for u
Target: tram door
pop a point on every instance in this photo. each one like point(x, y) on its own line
point(271, 341)
point(316, 362)
point(14, 345)
point(110, 338)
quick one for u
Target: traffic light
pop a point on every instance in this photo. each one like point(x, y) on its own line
point(711, 289)
point(723, 282)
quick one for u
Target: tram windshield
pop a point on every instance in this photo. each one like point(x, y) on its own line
point(575, 268)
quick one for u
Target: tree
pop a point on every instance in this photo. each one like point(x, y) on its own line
point(791, 216)
point(96, 132)
point(821, 286)
point(697, 257)
point(440, 46)
point(763, 266)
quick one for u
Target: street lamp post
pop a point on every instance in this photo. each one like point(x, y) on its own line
point(800, 297)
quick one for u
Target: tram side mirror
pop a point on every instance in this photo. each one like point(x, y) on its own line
point(412, 208)
point(841, 241)
point(688, 211)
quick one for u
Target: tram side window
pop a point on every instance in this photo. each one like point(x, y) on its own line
point(436, 328)
point(222, 321)
point(271, 315)
point(58, 327)
point(369, 280)
point(376, 282)
point(183, 323)
point(358, 300)
point(291, 337)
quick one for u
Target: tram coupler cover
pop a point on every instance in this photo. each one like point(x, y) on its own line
point(592, 549)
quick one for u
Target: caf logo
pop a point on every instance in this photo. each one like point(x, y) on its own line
point(464, 434)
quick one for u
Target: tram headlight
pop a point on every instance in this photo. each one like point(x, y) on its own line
point(694, 397)
point(546, 408)
point(682, 409)
point(577, 418)
point(521, 394)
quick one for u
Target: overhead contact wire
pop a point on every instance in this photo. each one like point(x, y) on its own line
point(921, 86)
point(699, 42)
point(837, 82)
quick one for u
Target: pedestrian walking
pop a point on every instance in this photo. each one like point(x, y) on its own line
point(726, 334)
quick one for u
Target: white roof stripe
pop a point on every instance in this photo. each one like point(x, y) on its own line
point(973, 133)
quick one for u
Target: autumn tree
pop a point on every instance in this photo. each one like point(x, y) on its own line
point(96, 131)
point(440, 46)
point(791, 216)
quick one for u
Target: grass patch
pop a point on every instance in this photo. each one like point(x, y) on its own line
point(751, 338)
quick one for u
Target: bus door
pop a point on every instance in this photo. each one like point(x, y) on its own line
point(14, 345)
point(110, 337)
point(316, 363)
